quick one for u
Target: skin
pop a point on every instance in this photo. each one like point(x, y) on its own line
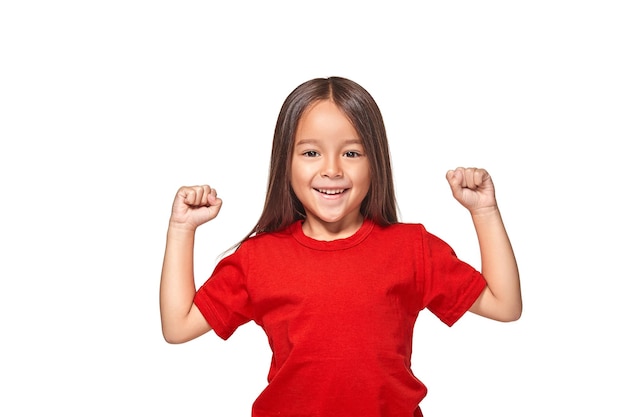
point(181, 320)
point(330, 173)
point(502, 299)
point(330, 176)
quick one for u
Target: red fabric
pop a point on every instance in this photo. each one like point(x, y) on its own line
point(339, 315)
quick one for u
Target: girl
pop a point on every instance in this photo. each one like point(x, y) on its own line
point(328, 272)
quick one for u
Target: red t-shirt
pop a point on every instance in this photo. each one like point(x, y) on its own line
point(339, 315)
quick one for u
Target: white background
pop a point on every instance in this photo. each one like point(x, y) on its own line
point(106, 108)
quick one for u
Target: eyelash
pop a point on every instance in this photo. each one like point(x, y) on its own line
point(349, 154)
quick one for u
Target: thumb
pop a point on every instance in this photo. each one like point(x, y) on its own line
point(450, 175)
point(454, 178)
point(215, 203)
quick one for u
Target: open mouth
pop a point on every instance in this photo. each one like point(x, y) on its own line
point(330, 192)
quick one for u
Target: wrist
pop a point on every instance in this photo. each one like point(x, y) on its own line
point(485, 212)
point(180, 229)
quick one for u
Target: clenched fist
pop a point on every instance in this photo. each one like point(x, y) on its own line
point(194, 205)
point(472, 187)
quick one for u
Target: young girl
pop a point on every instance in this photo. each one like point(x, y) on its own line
point(329, 273)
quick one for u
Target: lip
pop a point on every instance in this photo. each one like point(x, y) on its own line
point(331, 193)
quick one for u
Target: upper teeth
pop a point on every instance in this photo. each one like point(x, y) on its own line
point(331, 191)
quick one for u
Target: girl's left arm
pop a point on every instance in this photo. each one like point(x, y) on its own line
point(501, 299)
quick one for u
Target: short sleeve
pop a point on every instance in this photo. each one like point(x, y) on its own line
point(450, 285)
point(223, 299)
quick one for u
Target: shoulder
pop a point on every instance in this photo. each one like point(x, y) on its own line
point(264, 240)
point(401, 229)
point(411, 234)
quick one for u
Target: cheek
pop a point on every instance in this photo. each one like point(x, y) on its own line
point(302, 171)
point(292, 170)
point(365, 177)
point(297, 176)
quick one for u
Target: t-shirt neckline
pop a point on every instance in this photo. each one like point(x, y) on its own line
point(337, 244)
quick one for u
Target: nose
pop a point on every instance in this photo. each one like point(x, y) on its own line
point(332, 167)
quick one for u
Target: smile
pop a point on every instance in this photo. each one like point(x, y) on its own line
point(329, 192)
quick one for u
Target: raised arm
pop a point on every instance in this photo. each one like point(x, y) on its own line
point(502, 299)
point(181, 320)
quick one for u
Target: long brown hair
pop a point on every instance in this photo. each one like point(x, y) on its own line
point(281, 205)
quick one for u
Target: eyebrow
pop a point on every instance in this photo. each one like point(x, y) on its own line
point(315, 141)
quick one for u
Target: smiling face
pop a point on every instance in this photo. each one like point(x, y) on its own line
point(330, 172)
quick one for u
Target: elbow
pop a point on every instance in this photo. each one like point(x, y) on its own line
point(172, 340)
point(176, 334)
point(172, 337)
point(511, 315)
point(511, 318)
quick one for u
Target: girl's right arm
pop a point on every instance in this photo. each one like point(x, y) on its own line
point(181, 320)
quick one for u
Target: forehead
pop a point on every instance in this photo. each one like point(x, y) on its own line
point(324, 118)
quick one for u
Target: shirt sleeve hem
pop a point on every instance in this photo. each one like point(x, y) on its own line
point(466, 303)
point(211, 316)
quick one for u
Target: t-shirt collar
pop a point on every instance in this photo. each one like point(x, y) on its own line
point(345, 243)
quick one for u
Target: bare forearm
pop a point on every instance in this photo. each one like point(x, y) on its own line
point(177, 283)
point(499, 266)
point(181, 320)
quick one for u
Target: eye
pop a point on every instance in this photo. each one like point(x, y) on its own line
point(352, 154)
point(310, 154)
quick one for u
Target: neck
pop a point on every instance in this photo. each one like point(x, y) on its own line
point(327, 231)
